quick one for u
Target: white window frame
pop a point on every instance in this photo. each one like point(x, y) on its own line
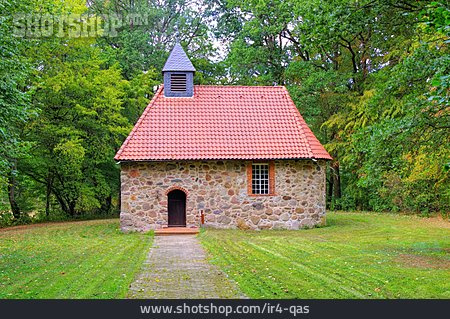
point(260, 179)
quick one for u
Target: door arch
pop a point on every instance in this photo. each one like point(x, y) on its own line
point(176, 208)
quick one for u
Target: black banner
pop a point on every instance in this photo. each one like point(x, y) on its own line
point(129, 309)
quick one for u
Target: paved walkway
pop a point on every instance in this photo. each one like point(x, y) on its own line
point(176, 267)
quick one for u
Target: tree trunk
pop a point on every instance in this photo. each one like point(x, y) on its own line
point(15, 209)
point(48, 194)
point(330, 190)
point(72, 210)
point(106, 207)
point(336, 176)
point(119, 203)
point(61, 202)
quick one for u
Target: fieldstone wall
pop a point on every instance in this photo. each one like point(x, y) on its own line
point(219, 189)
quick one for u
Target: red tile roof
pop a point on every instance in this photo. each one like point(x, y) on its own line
point(222, 122)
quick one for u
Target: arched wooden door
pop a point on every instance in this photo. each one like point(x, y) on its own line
point(176, 208)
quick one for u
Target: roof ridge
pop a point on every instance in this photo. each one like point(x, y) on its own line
point(237, 86)
point(245, 86)
point(141, 118)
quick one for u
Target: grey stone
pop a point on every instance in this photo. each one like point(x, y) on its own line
point(258, 206)
point(220, 190)
point(224, 220)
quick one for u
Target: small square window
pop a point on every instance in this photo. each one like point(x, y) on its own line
point(260, 179)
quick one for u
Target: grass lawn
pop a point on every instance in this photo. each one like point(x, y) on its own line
point(358, 255)
point(91, 259)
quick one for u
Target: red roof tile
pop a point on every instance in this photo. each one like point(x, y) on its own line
point(222, 122)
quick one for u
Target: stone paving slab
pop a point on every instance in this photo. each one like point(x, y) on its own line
point(176, 267)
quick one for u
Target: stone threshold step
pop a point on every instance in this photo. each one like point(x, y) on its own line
point(166, 231)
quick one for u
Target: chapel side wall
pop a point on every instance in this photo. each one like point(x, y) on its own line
point(219, 189)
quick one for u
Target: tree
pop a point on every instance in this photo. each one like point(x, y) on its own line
point(80, 126)
point(144, 43)
point(14, 102)
point(358, 72)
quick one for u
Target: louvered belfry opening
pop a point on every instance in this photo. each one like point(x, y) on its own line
point(178, 82)
point(178, 73)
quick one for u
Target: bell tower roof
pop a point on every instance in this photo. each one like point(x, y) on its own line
point(178, 61)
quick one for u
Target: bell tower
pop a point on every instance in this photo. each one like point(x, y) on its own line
point(178, 74)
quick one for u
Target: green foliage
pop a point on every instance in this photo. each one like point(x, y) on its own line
point(6, 219)
point(14, 94)
point(66, 108)
point(437, 16)
point(143, 46)
point(399, 147)
point(81, 122)
point(138, 92)
point(370, 78)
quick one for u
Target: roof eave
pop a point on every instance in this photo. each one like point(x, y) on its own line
point(222, 159)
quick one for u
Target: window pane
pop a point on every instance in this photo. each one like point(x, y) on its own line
point(260, 179)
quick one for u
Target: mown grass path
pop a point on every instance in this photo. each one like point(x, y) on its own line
point(176, 268)
point(358, 255)
point(91, 259)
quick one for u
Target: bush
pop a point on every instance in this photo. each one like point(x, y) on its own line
point(6, 219)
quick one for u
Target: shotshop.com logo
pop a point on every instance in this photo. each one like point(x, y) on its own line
point(74, 25)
